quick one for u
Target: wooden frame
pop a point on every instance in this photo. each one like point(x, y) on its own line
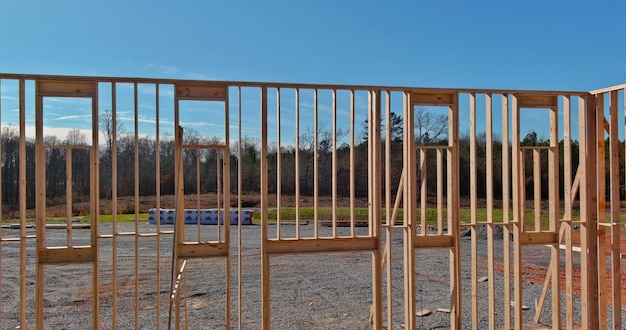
point(584, 193)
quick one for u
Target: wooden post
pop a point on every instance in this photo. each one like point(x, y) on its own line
point(265, 262)
point(506, 229)
point(453, 212)
point(518, 216)
point(615, 213)
point(567, 217)
point(409, 202)
point(473, 206)
point(490, 225)
point(553, 192)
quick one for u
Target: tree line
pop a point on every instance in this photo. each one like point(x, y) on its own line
point(433, 133)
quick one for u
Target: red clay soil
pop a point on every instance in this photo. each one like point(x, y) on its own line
point(537, 274)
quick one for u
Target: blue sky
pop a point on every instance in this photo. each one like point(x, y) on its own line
point(556, 45)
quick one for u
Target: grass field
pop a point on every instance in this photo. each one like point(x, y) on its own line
point(326, 213)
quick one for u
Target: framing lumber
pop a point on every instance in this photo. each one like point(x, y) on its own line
point(584, 186)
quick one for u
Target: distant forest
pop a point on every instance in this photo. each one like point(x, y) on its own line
point(432, 132)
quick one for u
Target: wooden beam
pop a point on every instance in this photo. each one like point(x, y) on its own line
point(201, 92)
point(537, 101)
point(410, 216)
point(433, 241)
point(615, 212)
point(432, 99)
point(321, 245)
point(189, 250)
point(63, 255)
point(539, 238)
point(66, 88)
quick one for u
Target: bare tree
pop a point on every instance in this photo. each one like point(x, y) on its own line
point(429, 128)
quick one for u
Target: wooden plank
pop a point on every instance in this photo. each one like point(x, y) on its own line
point(537, 101)
point(334, 163)
point(567, 158)
point(66, 88)
point(201, 92)
point(389, 212)
point(194, 250)
point(136, 200)
point(114, 205)
point(473, 207)
point(63, 255)
point(352, 166)
point(157, 203)
point(316, 165)
point(588, 214)
point(410, 216)
point(539, 238)
point(615, 212)
point(433, 241)
point(518, 215)
point(432, 99)
point(265, 256)
point(424, 191)
point(554, 214)
point(600, 175)
point(537, 188)
point(505, 211)
point(489, 186)
point(240, 202)
point(453, 213)
point(278, 166)
point(40, 202)
point(320, 245)
point(258, 84)
point(297, 165)
point(375, 216)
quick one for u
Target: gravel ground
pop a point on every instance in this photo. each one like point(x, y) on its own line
point(315, 291)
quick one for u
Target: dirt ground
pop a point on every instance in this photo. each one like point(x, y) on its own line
point(533, 272)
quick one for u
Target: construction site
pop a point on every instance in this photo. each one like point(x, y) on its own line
point(199, 204)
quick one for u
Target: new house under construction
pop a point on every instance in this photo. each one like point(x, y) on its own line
point(86, 159)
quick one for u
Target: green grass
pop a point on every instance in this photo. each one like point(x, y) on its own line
point(343, 213)
point(326, 213)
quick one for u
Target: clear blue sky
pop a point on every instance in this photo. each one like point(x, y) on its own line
point(577, 45)
point(557, 45)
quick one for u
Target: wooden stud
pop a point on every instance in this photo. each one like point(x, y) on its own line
point(490, 234)
point(410, 218)
point(201, 92)
point(601, 209)
point(114, 206)
point(40, 201)
point(334, 164)
point(424, 191)
point(376, 204)
point(568, 199)
point(518, 215)
point(616, 289)
point(429, 99)
point(352, 164)
point(453, 213)
point(1, 197)
point(473, 206)
point(390, 218)
point(315, 166)
point(554, 200)
point(240, 204)
point(297, 169)
point(278, 166)
point(439, 196)
point(157, 202)
point(265, 257)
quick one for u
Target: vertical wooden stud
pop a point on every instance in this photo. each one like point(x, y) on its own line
point(409, 212)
